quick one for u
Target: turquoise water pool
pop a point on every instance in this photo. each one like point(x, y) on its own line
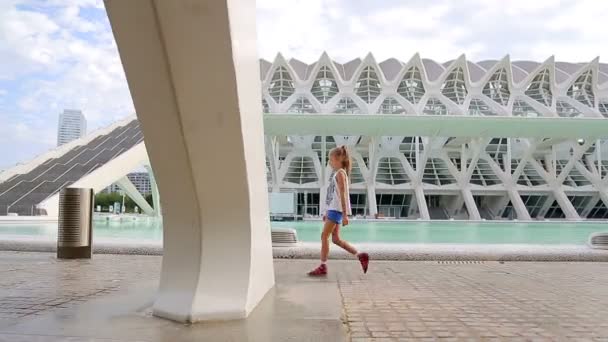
point(544, 233)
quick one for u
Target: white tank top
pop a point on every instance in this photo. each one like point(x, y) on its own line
point(333, 201)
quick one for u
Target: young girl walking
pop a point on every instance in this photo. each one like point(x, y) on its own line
point(338, 208)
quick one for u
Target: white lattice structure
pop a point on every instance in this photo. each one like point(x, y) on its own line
point(433, 177)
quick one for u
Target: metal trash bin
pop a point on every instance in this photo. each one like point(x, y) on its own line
point(75, 223)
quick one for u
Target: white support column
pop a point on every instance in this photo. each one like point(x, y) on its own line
point(518, 205)
point(155, 195)
point(130, 190)
point(371, 200)
point(497, 204)
point(421, 201)
point(558, 192)
point(272, 160)
point(548, 201)
point(587, 209)
point(565, 204)
point(604, 196)
point(469, 201)
point(193, 73)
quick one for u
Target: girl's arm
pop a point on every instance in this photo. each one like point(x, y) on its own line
point(342, 191)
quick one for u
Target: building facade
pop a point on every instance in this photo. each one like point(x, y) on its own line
point(425, 177)
point(72, 125)
point(141, 181)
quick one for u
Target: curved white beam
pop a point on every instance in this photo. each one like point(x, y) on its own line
point(180, 57)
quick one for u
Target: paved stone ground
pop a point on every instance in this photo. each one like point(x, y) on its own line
point(477, 301)
point(34, 283)
point(395, 301)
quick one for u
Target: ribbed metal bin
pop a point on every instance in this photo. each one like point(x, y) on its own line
point(599, 240)
point(75, 223)
point(284, 237)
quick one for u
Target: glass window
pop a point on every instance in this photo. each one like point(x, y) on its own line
point(347, 106)
point(436, 172)
point(582, 89)
point(454, 87)
point(566, 110)
point(325, 86)
point(391, 106)
point(497, 87)
point(540, 88)
point(478, 107)
point(603, 105)
point(301, 106)
point(368, 85)
point(281, 86)
point(522, 108)
point(435, 107)
point(301, 171)
point(391, 171)
point(411, 87)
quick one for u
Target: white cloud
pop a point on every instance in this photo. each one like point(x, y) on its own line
point(57, 59)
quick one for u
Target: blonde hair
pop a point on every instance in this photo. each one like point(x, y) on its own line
point(344, 157)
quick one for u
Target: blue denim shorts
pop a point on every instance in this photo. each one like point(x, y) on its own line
point(334, 216)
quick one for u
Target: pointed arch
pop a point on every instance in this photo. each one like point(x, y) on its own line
point(497, 87)
point(411, 86)
point(281, 86)
point(539, 88)
point(454, 86)
point(391, 106)
point(325, 86)
point(368, 85)
point(582, 89)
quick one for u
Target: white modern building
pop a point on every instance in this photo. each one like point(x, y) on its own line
point(542, 173)
point(141, 181)
point(494, 140)
point(72, 125)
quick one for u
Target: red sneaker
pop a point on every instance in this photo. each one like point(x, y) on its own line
point(364, 260)
point(320, 271)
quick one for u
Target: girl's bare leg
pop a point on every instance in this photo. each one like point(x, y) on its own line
point(328, 229)
point(335, 238)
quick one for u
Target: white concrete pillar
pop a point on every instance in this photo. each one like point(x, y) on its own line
point(371, 200)
point(565, 204)
point(518, 205)
point(469, 201)
point(590, 205)
point(130, 190)
point(155, 195)
point(421, 201)
point(496, 204)
point(546, 206)
point(604, 196)
point(193, 72)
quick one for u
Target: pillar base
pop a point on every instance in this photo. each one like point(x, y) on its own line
point(74, 252)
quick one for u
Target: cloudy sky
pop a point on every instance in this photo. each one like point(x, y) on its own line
point(57, 54)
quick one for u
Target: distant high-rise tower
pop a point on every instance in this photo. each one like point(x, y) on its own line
point(72, 125)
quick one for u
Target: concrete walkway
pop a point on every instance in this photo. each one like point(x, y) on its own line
point(109, 298)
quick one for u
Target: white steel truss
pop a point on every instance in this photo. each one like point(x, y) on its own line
point(432, 177)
